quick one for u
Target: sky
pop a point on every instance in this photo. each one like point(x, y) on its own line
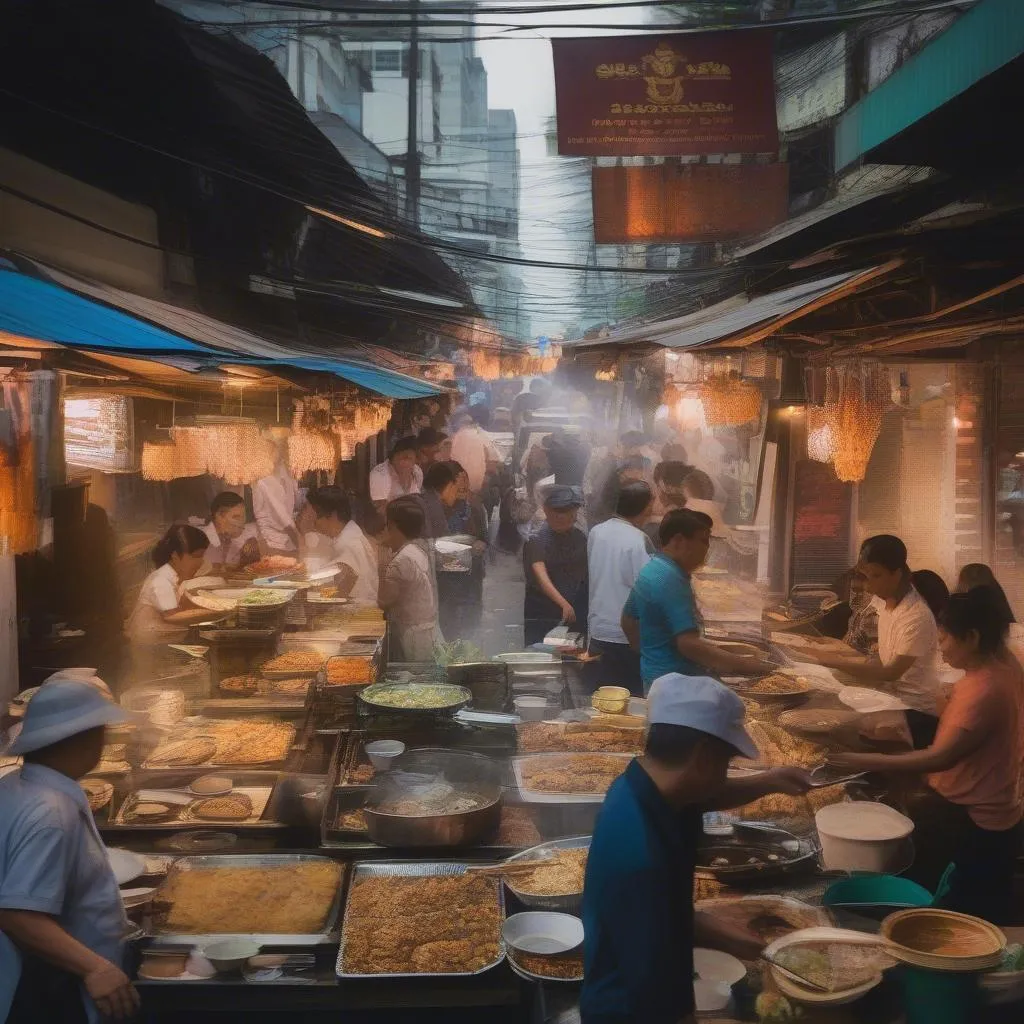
point(555, 191)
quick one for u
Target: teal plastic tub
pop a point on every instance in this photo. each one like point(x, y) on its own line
point(877, 895)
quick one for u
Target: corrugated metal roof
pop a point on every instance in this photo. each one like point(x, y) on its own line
point(730, 316)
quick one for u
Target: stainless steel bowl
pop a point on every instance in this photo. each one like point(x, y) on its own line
point(451, 830)
point(469, 773)
point(569, 903)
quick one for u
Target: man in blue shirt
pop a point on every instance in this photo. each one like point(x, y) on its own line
point(639, 923)
point(62, 923)
point(660, 618)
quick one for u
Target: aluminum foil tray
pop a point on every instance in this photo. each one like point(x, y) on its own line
point(325, 936)
point(417, 869)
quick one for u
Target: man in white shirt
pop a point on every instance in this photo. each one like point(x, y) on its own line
point(398, 476)
point(337, 540)
point(473, 449)
point(617, 550)
point(908, 639)
point(275, 500)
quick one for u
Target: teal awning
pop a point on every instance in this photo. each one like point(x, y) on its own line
point(977, 44)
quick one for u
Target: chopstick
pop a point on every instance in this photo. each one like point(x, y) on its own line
point(501, 870)
point(798, 978)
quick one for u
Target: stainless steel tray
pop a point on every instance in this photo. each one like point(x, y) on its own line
point(533, 796)
point(269, 861)
point(414, 869)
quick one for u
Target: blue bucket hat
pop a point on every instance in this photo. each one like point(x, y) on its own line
point(61, 709)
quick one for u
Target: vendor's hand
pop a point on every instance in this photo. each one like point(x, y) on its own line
point(715, 933)
point(479, 547)
point(112, 992)
point(852, 762)
point(790, 781)
point(568, 613)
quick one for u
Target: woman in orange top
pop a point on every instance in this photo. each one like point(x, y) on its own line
point(970, 811)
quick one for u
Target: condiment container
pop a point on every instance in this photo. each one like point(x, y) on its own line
point(532, 709)
point(862, 836)
point(612, 700)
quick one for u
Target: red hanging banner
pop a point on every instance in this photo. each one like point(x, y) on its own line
point(674, 95)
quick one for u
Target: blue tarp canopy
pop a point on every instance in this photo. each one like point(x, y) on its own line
point(58, 313)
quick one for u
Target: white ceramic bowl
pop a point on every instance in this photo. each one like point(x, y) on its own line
point(382, 753)
point(714, 966)
point(230, 954)
point(532, 709)
point(125, 864)
point(543, 934)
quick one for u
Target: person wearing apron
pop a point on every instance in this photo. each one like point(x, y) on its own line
point(408, 593)
point(160, 616)
point(62, 923)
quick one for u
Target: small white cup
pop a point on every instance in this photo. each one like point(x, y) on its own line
point(532, 709)
point(382, 753)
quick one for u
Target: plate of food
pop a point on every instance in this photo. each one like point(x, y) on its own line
point(556, 883)
point(416, 697)
point(567, 778)
point(774, 688)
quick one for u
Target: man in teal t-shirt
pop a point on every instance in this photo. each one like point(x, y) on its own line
point(660, 618)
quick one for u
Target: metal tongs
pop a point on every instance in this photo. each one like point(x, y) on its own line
point(821, 778)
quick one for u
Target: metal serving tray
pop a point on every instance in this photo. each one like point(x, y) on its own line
point(417, 869)
point(532, 796)
point(269, 861)
point(566, 904)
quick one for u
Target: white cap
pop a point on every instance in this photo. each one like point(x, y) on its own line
point(702, 703)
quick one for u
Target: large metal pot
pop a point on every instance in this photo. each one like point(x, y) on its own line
point(466, 773)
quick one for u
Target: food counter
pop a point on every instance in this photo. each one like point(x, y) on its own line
point(389, 918)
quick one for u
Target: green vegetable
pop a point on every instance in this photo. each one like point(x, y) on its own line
point(457, 652)
point(1013, 958)
point(420, 696)
point(263, 598)
point(772, 1008)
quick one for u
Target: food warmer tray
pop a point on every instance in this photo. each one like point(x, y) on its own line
point(277, 765)
point(325, 937)
point(532, 796)
point(415, 869)
point(269, 820)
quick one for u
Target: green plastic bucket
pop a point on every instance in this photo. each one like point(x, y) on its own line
point(881, 894)
point(939, 997)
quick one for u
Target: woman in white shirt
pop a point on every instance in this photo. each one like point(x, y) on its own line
point(336, 539)
point(160, 616)
point(233, 541)
point(908, 661)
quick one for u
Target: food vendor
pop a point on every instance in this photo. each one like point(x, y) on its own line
point(275, 501)
point(398, 476)
point(969, 811)
point(336, 539)
point(639, 922)
point(440, 491)
point(233, 542)
point(977, 574)
point(555, 565)
point(160, 617)
point(908, 641)
point(407, 592)
point(62, 923)
point(660, 618)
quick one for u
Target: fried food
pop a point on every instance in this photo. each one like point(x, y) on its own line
point(360, 775)
point(97, 792)
point(565, 967)
point(151, 811)
point(295, 661)
point(558, 874)
point(422, 925)
point(577, 737)
point(239, 685)
point(573, 774)
point(233, 807)
point(194, 750)
point(351, 821)
point(290, 687)
point(836, 967)
point(794, 751)
point(778, 683)
point(270, 565)
point(348, 671)
point(517, 829)
point(289, 899)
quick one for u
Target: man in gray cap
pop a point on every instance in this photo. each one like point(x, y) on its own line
point(62, 923)
point(638, 917)
point(555, 566)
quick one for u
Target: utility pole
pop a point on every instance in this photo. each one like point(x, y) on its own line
point(412, 153)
